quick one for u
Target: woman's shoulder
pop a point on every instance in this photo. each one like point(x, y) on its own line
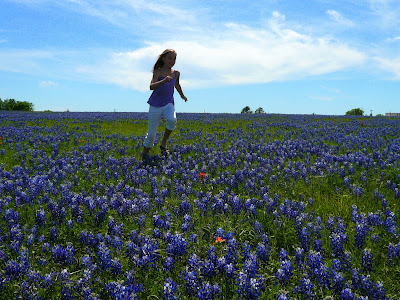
point(157, 72)
point(177, 73)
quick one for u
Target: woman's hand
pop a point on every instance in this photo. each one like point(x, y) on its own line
point(168, 79)
point(184, 98)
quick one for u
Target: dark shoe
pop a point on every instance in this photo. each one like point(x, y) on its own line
point(149, 159)
point(164, 151)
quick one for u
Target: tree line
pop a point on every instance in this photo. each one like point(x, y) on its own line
point(14, 105)
point(247, 110)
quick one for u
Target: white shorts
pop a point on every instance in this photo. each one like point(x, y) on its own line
point(155, 114)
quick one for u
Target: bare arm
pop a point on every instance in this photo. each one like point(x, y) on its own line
point(154, 81)
point(178, 86)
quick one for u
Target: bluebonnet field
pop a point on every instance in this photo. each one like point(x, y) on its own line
point(248, 206)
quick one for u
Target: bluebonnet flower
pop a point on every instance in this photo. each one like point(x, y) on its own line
point(229, 270)
point(116, 267)
point(305, 239)
point(194, 262)
point(367, 260)
point(212, 254)
point(362, 230)
point(231, 251)
point(283, 255)
point(305, 288)
point(42, 262)
point(88, 238)
point(330, 223)
point(347, 294)
point(115, 242)
point(157, 234)
point(141, 221)
point(314, 260)
point(33, 276)
point(104, 256)
point(393, 253)
point(258, 228)
point(318, 226)
point(185, 207)
point(283, 296)
point(299, 257)
point(53, 233)
point(246, 250)
point(168, 264)
point(208, 291)
point(323, 275)
point(250, 265)
point(40, 217)
point(248, 287)
point(124, 291)
point(284, 273)
point(236, 205)
point(208, 268)
point(375, 238)
point(193, 238)
point(191, 279)
point(169, 289)
point(177, 246)
point(66, 292)
point(262, 252)
point(379, 291)
point(64, 256)
point(70, 224)
point(318, 245)
point(338, 281)
point(336, 265)
point(13, 269)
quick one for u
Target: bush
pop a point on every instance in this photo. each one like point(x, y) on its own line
point(13, 105)
point(355, 112)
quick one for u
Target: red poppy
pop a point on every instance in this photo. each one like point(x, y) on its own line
point(202, 176)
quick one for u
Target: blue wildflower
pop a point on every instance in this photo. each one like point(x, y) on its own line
point(169, 289)
point(367, 260)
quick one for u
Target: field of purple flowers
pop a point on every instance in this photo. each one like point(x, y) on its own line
point(246, 207)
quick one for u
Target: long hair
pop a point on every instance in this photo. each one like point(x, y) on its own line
point(160, 63)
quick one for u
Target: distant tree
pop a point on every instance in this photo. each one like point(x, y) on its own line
point(355, 112)
point(23, 105)
point(9, 104)
point(259, 110)
point(246, 110)
point(12, 104)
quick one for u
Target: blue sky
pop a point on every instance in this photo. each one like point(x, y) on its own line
point(294, 57)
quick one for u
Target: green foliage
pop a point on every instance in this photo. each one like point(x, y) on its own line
point(13, 105)
point(246, 110)
point(355, 112)
point(114, 147)
point(259, 110)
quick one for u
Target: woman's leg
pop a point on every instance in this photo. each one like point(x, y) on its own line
point(155, 114)
point(170, 117)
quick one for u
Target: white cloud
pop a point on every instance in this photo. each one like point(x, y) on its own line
point(387, 11)
point(329, 89)
point(236, 55)
point(390, 65)
point(395, 39)
point(322, 98)
point(337, 17)
point(48, 84)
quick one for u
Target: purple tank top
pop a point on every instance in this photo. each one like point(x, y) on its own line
point(164, 94)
